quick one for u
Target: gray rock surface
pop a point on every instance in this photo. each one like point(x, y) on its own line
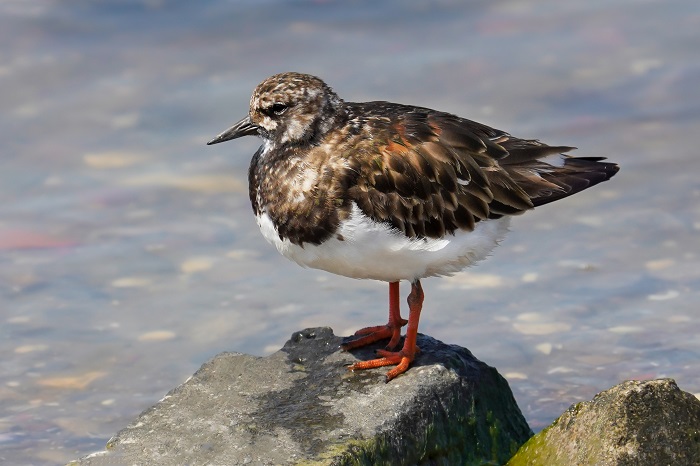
point(634, 423)
point(300, 405)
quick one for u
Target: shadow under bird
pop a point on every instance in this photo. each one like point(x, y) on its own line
point(391, 192)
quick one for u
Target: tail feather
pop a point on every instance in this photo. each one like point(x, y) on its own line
point(577, 174)
point(548, 182)
point(522, 151)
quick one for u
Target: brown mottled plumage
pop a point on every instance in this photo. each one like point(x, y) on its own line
point(353, 188)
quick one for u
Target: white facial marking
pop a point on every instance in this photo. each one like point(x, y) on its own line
point(295, 130)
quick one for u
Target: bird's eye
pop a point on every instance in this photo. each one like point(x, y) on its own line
point(278, 108)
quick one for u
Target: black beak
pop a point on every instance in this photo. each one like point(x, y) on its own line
point(240, 129)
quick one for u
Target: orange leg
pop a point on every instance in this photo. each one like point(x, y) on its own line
point(391, 330)
point(404, 357)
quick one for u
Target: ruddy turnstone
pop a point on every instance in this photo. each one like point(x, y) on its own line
point(391, 192)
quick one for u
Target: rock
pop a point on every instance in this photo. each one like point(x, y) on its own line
point(301, 406)
point(634, 423)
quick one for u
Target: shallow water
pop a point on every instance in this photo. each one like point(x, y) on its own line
point(129, 254)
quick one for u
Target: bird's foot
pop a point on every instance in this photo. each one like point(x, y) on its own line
point(369, 335)
point(402, 359)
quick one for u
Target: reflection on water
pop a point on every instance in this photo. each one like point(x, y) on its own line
point(129, 255)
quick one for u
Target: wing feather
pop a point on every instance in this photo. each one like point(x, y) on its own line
point(433, 173)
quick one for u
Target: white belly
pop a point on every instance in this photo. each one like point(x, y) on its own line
point(373, 250)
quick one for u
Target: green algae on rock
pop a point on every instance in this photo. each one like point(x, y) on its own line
point(633, 423)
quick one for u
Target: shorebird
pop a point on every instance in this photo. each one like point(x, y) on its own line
point(391, 192)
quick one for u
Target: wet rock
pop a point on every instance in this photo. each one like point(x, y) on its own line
point(634, 423)
point(301, 405)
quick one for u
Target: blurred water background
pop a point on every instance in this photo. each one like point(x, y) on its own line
point(129, 254)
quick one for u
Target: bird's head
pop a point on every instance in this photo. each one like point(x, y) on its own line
point(287, 109)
